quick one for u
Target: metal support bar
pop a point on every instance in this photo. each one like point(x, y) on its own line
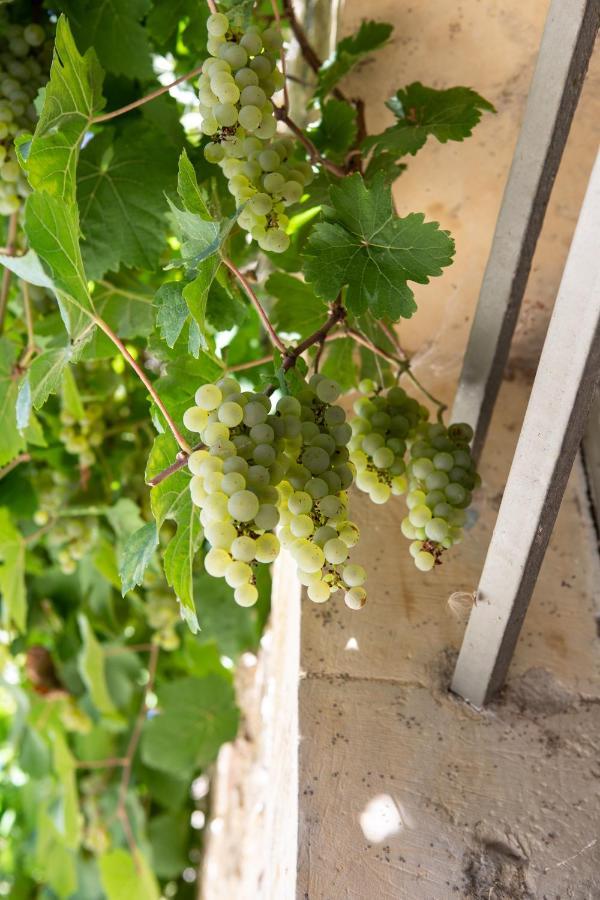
point(561, 397)
point(563, 59)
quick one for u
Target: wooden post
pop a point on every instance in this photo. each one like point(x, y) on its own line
point(591, 454)
point(560, 401)
point(563, 59)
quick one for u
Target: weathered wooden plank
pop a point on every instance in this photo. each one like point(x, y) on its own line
point(563, 59)
point(558, 408)
point(591, 453)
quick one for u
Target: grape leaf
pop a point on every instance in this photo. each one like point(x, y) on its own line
point(136, 555)
point(169, 835)
point(297, 310)
point(234, 628)
point(12, 440)
point(52, 226)
point(171, 499)
point(336, 132)
point(44, 377)
point(64, 766)
point(196, 716)
point(115, 32)
point(373, 251)
point(125, 307)
point(171, 310)
point(12, 573)
point(349, 51)
point(385, 165)
point(120, 188)
point(448, 115)
point(125, 876)
point(196, 293)
point(72, 97)
point(92, 669)
point(166, 16)
point(339, 363)
point(188, 189)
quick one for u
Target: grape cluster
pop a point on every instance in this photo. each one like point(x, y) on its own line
point(70, 540)
point(24, 59)
point(162, 612)
point(441, 476)
point(263, 468)
point(80, 436)
point(396, 451)
point(378, 446)
point(235, 88)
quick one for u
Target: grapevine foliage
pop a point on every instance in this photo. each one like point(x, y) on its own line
point(189, 281)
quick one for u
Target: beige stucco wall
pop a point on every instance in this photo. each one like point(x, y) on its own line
point(491, 47)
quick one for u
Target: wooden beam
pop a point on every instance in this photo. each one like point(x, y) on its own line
point(565, 50)
point(591, 455)
point(561, 397)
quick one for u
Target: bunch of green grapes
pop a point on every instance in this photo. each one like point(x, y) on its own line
point(162, 612)
point(262, 468)
point(441, 476)
point(24, 59)
point(313, 499)
point(235, 88)
point(70, 539)
point(378, 446)
point(235, 481)
point(80, 436)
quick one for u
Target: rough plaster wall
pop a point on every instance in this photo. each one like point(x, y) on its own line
point(487, 805)
point(490, 46)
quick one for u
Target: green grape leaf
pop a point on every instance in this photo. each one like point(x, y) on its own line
point(171, 310)
point(365, 246)
point(339, 363)
point(166, 16)
point(196, 294)
point(448, 115)
point(188, 189)
point(179, 562)
point(12, 573)
point(121, 182)
point(349, 51)
point(92, 669)
point(297, 309)
point(54, 862)
point(115, 32)
point(385, 165)
point(72, 98)
point(234, 628)
point(171, 499)
point(225, 308)
point(125, 306)
point(136, 556)
point(169, 835)
point(336, 132)
point(125, 877)
point(64, 767)
point(195, 716)
point(70, 398)
point(12, 440)
point(44, 377)
point(52, 226)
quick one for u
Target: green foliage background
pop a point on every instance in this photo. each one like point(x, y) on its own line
point(101, 578)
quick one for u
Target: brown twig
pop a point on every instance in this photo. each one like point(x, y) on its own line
point(336, 315)
point(378, 351)
point(134, 740)
point(21, 458)
point(145, 381)
point(6, 275)
point(110, 763)
point(152, 96)
point(240, 367)
point(273, 336)
point(180, 461)
point(308, 145)
point(212, 6)
point(286, 99)
point(306, 47)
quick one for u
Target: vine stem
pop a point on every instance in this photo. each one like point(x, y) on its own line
point(134, 740)
point(6, 275)
point(286, 99)
point(273, 336)
point(306, 47)
point(378, 351)
point(212, 6)
point(145, 381)
point(152, 96)
point(308, 145)
point(21, 458)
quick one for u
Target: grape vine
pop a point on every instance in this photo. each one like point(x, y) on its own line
point(198, 278)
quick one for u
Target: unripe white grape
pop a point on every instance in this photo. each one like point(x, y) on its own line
point(267, 127)
point(250, 117)
point(261, 65)
point(335, 551)
point(225, 114)
point(319, 592)
point(228, 92)
point(267, 548)
point(355, 598)
point(195, 419)
point(217, 24)
point(220, 535)
point(243, 548)
point(380, 493)
point(216, 562)
point(292, 191)
point(424, 561)
point(252, 42)
point(245, 77)
point(237, 573)
point(354, 575)
point(243, 505)
point(34, 35)
point(302, 526)
point(246, 595)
